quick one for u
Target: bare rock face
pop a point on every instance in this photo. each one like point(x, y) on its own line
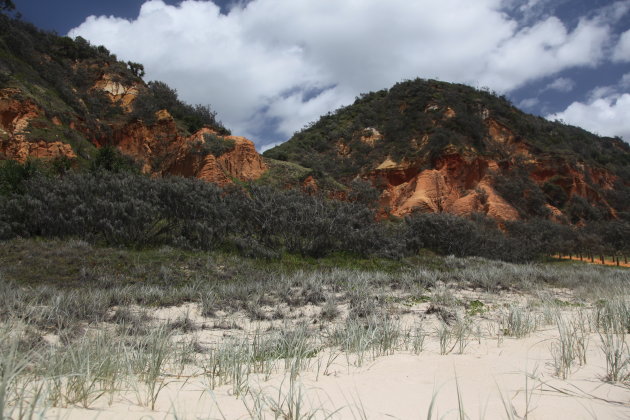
point(117, 92)
point(15, 121)
point(163, 151)
point(464, 184)
point(160, 147)
point(22, 150)
point(455, 186)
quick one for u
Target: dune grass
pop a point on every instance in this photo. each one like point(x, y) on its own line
point(82, 332)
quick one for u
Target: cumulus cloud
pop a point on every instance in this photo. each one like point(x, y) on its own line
point(528, 103)
point(561, 84)
point(622, 50)
point(605, 112)
point(270, 66)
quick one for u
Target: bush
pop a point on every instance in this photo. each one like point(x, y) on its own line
point(215, 145)
point(448, 234)
point(160, 96)
point(13, 175)
point(110, 159)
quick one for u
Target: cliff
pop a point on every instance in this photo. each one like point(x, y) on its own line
point(63, 98)
point(428, 146)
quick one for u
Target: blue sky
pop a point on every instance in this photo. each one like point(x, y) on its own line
point(268, 67)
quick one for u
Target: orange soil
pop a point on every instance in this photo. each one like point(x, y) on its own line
point(597, 260)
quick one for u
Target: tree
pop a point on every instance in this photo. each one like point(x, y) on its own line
point(136, 68)
point(7, 5)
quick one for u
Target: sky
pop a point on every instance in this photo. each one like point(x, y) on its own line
point(269, 67)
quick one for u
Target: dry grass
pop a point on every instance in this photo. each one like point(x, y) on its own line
point(101, 335)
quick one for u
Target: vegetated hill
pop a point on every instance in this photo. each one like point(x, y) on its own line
point(61, 98)
point(432, 146)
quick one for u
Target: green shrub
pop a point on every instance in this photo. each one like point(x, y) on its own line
point(13, 175)
point(110, 159)
point(216, 145)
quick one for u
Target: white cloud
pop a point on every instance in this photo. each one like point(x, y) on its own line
point(528, 103)
point(561, 84)
point(268, 146)
point(259, 62)
point(604, 113)
point(622, 50)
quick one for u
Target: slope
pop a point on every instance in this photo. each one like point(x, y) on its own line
point(432, 146)
point(61, 98)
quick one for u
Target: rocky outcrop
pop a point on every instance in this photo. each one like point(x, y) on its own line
point(371, 136)
point(455, 186)
point(15, 115)
point(117, 92)
point(162, 151)
point(15, 121)
point(23, 150)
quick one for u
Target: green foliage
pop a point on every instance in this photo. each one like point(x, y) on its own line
point(117, 207)
point(362, 192)
point(281, 174)
point(448, 234)
point(58, 74)
point(518, 189)
point(556, 195)
point(136, 68)
point(421, 120)
point(579, 209)
point(130, 209)
point(110, 159)
point(13, 175)
point(216, 145)
point(160, 96)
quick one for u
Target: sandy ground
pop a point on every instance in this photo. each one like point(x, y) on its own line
point(495, 378)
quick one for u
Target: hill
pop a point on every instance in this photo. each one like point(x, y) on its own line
point(62, 99)
point(432, 146)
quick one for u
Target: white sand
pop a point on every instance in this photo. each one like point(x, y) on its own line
point(402, 386)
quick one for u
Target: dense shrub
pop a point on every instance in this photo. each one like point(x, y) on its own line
point(118, 209)
point(129, 209)
point(215, 145)
point(115, 206)
point(448, 234)
point(13, 175)
point(308, 225)
point(160, 96)
point(110, 159)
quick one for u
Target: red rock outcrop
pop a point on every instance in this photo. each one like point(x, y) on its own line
point(15, 120)
point(455, 185)
point(162, 151)
point(22, 150)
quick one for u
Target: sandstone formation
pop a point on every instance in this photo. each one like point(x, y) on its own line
point(15, 120)
point(455, 186)
point(163, 151)
point(463, 183)
point(160, 148)
point(117, 92)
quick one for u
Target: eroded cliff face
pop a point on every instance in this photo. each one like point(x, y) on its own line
point(163, 151)
point(455, 185)
point(16, 117)
point(117, 92)
point(462, 183)
point(160, 148)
